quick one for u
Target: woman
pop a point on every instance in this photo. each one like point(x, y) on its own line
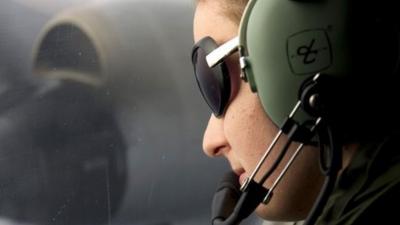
point(240, 130)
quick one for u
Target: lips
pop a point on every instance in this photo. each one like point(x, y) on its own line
point(241, 173)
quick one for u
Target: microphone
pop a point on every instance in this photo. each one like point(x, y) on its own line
point(231, 205)
point(225, 198)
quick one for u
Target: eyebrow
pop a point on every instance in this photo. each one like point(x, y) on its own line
point(216, 56)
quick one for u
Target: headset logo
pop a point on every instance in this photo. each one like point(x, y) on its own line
point(309, 51)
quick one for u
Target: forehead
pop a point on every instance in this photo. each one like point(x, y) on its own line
point(210, 20)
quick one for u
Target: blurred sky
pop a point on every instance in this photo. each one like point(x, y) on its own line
point(49, 6)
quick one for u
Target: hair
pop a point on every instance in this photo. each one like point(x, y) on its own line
point(233, 9)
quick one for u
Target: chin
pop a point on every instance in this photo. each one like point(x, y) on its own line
point(271, 213)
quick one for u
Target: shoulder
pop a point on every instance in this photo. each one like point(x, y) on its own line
point(382, 210)
point(374, 200)
point(368, 188)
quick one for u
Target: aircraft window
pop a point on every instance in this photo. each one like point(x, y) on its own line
point(100, 118)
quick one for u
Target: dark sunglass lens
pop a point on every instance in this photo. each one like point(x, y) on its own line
point(208, 82)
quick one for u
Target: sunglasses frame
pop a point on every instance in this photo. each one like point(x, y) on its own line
point(215, 56)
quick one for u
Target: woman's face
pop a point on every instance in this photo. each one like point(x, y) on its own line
point(244, 132)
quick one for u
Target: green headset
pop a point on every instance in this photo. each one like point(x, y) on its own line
point(285, 42)
point(309, 60)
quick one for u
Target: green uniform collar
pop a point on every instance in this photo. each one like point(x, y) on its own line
point(373, 172)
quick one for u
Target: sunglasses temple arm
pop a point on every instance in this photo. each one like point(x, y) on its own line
point(222, 51)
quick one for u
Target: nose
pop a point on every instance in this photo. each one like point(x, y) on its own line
point(214, 140)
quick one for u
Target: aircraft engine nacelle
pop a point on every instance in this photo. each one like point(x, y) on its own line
point(120, 119)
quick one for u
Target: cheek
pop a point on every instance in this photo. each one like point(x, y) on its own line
point(247, 127)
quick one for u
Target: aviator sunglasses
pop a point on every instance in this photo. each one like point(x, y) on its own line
point(212, 73)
